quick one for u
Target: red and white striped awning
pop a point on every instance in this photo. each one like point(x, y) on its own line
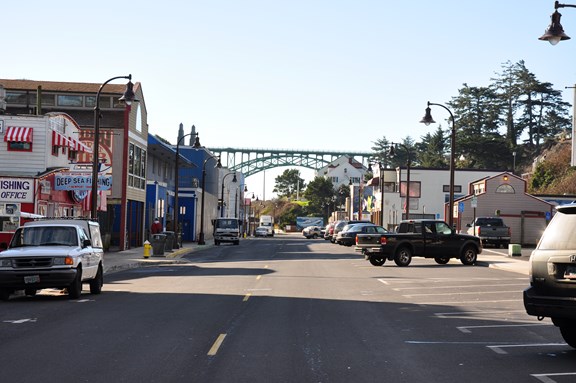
point(18, 134)
point(58, 139)
point(78, 146)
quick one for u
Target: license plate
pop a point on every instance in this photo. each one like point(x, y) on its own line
point(570, 272)
point(32, 279)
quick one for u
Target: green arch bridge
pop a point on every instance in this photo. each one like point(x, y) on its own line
point(252, 161)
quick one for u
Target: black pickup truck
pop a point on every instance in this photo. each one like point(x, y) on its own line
point(419, 238)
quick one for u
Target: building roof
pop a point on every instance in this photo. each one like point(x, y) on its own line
point(64, 87)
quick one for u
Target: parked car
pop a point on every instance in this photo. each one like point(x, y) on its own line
point(339, 225)
point(347, 237)
point(328, 231)
point(312, 232)
point(53, 253)
point(552, 291)
point(261, 231)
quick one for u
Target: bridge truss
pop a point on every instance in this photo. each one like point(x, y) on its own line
point(252, 161)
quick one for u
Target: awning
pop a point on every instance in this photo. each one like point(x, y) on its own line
point(18, 134)
point(78, 146)
point(58, 139)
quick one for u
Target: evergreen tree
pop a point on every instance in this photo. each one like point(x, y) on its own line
point(288, 183)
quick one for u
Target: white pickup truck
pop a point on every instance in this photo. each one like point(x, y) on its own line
point(53, 253)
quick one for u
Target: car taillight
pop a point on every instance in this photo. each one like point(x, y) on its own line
point(356, 238)
point(479, 229)
point(383, 240)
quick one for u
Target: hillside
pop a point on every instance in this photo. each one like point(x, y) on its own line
point(551, 172)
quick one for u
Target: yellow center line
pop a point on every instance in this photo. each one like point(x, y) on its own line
point(246, 297)
point(216, 345)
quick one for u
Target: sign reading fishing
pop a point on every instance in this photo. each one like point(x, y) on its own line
point(17, 189)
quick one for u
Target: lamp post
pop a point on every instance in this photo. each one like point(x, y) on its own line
point(176, 215)
point(222, 194)
point(408, 152)
point(218, 165)
point(427, 120)
point(555, 33)
point(128, 97)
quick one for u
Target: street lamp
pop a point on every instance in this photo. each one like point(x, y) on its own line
point(218, 165)
point(427, 120)
point(176, 213)
point(408, 152)
point(381, 175)
point(128, 97)
point(555, 33)
point(222, 194)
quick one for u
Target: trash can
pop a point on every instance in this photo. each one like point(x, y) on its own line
point(169, 245)
point(158, 244)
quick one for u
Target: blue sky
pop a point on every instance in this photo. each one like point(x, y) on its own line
point(331, 75)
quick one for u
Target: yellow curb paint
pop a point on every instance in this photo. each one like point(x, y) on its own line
point(246, 297)
point(216, 345)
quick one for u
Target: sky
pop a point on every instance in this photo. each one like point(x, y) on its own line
point(300, 74)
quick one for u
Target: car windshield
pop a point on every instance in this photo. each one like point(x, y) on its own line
point(227, 223)
point(561, 231)
point(45, 236)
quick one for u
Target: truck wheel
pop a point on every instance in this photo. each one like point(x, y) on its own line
point(314, 236)
point(442, 260)
point(377, 261)
point(469, 256)
point(97, 282)
point(217, 243)
point(403, 257)
point(569, 334)
point(75, 288)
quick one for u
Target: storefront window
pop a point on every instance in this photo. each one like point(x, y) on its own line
point(9, 216)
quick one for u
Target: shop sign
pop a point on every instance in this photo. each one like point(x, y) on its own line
point(80, 182)
point(16, 189)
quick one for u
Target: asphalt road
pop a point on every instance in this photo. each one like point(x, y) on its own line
point(286, 309)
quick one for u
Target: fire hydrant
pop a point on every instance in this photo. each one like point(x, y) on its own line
point(147, 248)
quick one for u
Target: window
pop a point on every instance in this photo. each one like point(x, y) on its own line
point(20, 146)
point(136, 167)
point(505, 189)
point(91, 101)
point(69, 100)
point(457, 188)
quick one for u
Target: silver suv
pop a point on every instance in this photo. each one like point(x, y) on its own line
point(53, 253)
point(552, 291)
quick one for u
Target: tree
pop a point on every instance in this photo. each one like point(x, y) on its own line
point(289, 183)
point(319, 193)
point(432, 149)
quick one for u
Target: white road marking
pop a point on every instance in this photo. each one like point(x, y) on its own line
point(498, 349)
point(454, 287)
point(461, 293)
point(545, 377)
point(19, 321)
point(466, 329)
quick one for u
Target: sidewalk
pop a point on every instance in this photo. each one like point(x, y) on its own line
point(496, 260)
point(133, 258)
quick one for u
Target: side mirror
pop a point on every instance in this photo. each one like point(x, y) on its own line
point(468, 225)
point(86, 243)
